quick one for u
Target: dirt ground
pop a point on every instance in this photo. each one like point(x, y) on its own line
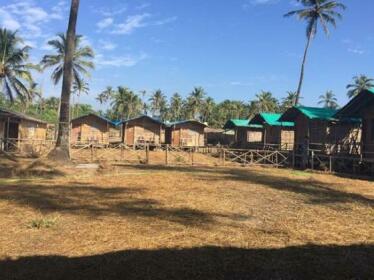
point(158, 222)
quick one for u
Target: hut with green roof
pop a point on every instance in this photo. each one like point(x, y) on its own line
point(246, 135)
point(277, 134)
point(187, 133)
point(321, 129)
point(362, 107)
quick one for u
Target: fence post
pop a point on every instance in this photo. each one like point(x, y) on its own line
point(312, 160)
point(122, 152)
point(167, 154)
point(92, 152)
point(330, 163)
point(192, 156)
point(147, 154)
point(224, 157)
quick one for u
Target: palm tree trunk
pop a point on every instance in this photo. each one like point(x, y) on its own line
point(62, 149)
point(298, 92)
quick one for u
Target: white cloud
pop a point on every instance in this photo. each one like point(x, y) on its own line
point(131, 23)
point(104, 23)
point(358, 51)
point(241, 84)
point(119, 61)
point(165, 21)
point(29, 17)
point(107, 45)
point(143, 6)
point(248, 3)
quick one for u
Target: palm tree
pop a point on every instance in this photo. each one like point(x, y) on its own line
point(105, 95)
point(360, 83)
point(78, 88)
point(34, 91)
point(14, 68)
point(314, 12)
point(289, 100)
point(126, 103)
point(328, 100)
point(207, 108)
point(265, 102)
point(62, 149)
point(195, 101)
point(82, 59)
point(158, 103)
point(176, 104)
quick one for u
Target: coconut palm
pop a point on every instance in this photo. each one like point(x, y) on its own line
point(328, 100)
point(105, 95)
point(78, 88)
point(14, 66)
point(195, 101)
point(265, 102)
point(126, 103)
point(176, 104)
point(323, 12)
point(68, 51)
point(360, 83)
point(82, 59)
point(289, 100)
point(158, 103)
point(207, 108)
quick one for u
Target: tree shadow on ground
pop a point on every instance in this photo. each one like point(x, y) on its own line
point(313, 191)
point(35, 168)
point(95, 202)
point(205, 263)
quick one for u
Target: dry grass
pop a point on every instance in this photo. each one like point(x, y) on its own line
point(155, 222)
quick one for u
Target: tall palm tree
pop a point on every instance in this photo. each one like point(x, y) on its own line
point(78, 88)
point(62, 149)
point(14, 66)
point(328, 100)
point(315, 12)
point(158, 103)
point(195, 100)
point(82, 59)
point(126, 103)
point(265, 102)
point(176, 104)
point(104, 96)
point(34, 92)
point(360, 83)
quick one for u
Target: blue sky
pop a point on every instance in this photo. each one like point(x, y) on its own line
point(232, 48)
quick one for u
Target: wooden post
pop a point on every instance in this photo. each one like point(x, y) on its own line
point(224, 157)
point(293, 158)
point(167, 154)
point(192, 157)
point(92, 152)
point(312, 163)
point(147, 154)
point(330, 161)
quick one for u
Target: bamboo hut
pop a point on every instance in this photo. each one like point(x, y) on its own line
point(93, 129)
point(362, 107)
point(321, 130)
point(277, 134)
point(188, 133)
point(246, 135)
point(19, 132)
point(143, 129)
point(218, 136)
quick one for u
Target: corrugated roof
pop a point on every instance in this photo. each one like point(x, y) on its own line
point(144, 116)
point(270, 119)
point(13, 114)
point(312, 113)
point(234, 123)
point(169, 124)
point(97, 116)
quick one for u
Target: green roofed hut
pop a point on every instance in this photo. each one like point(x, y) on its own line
point(362, 107)
point(246, 135)
point(322, 130)
point(187, 133)
point(277, 134)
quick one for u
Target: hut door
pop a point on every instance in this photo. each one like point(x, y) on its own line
point(11, 130)
point(176, 137)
